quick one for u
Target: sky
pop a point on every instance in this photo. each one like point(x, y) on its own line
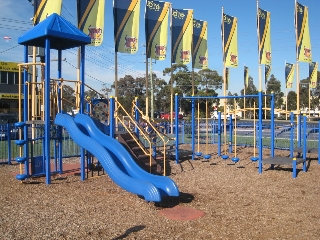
point(15, 18)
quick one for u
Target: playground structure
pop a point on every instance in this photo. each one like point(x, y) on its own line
point(301, 143)
point(46, 110)
point(46, 115)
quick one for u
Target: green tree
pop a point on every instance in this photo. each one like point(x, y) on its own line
point(304, 94)
point(128, 89)
point(68, 98)
point(315, 94)
point(292, 101)
point(251, 89)
point(274, 86)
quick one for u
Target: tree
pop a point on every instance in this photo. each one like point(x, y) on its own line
point(251, 89)
point(291, 101)
point(68, 98)
point(128, 89)
point(304, 94)
point(206, 81)
point(315, 94)
point(274, 86)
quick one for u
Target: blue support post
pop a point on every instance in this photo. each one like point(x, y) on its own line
point(260, 131)
point(46, 112)
point(60, 110)
point(230, 133)
point(192, 127)
point(176, 122)
point(304, 167)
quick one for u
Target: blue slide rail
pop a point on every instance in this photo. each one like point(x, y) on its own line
point(124, 160)
point(130, 184)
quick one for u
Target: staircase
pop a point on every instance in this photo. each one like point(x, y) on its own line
point(138, 154)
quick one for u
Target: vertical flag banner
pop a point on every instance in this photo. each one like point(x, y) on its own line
point(313, 74)
point(289, 73)
point(91, 19)
point(267, 71)
point(264, 37)
point(181, 35)
point(230, 38)
point(200, 44)
point(44, 8)
point(156, 27)
point(246, 76)
point(126, 14)
point(227, 78)
point(303, 44)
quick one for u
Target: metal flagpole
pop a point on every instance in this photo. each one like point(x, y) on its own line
point(258, 32)
point(171, 72)
point(244, 93)
point(297, 68)
point(147, 81)
point(151, 89)
point(224, 89)
point(285, 63)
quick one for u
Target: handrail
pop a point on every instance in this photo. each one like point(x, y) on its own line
point(159, 134)
point(132, 135)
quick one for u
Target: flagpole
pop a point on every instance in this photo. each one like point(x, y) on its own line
point(224, 89)
point(244, 98)
point(147, 80)
point(297, 67)
point(285, 63)
point(265, 101)
point(192, 81)
point(171, 72)
point(116, 75)
point(258, 33)
point(309, 98)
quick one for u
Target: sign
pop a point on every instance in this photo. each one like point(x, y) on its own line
point(10, 96)
point(9, 67)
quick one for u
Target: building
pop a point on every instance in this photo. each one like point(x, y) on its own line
point(9, 87)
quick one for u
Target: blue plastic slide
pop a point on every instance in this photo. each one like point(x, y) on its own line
point(122, 157)
point(130, 184)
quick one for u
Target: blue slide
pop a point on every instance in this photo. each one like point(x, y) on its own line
point(140, 187)
point(124, 160)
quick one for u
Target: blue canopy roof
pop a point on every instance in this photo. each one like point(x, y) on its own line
point(61, 33)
